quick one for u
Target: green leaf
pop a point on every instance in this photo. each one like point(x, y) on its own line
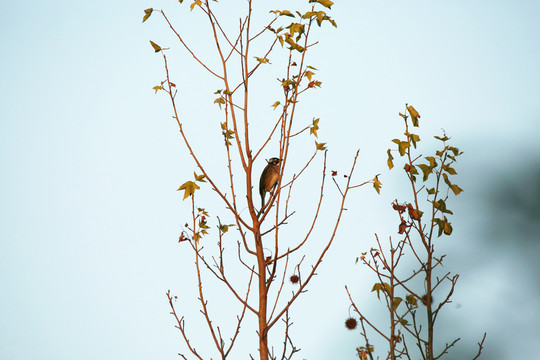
point(189, 188)
point(156, 47)
point(431, 191)
point(147, 14)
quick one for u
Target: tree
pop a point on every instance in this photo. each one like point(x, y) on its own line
point(263, 257)
point(414, 299)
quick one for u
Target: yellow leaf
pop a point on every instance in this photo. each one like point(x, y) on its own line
point(414, 115)
point(189, 188)
point(321, 146)
point(199, 177)
point(314, 127)
point(196, 2)
point(219, 101)
point(389, 161)
point(309, 74)
point(157, 87)
point(156, 47)
point(262, 60)
point(377, 184)
point(276, 104)
point(147, 14)
point(325, 3)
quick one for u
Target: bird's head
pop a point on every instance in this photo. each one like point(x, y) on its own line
point(274, 161)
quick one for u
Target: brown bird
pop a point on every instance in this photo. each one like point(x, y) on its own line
point(269, 178)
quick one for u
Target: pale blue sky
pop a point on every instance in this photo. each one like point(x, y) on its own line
point(90, 160)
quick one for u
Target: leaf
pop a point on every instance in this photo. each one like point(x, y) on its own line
point(276, 104)
point(395, 302)
point(441, 206)
point(262, 60)
point(426, 170)
point(449, 169)
point(455, 189)
point(447, 228)
point(219, 101)
point(196, 2)
point(294, 46)
point(157, 88)
point(415, 214)
point(431, 160)
point(414, 139)
point(444, 138)
point(189, 188)
point(411, 300)
point(156, 47)
point(389, 161)
point(309, 74)
point(377, 184)
point(321, 146)
point(402, 147)
point(147, 14)
point(199, 177)
point(377, 287)
point(414, 115)
point(325, 3)
point(314, 127)
point(282, 13)
point(295, 28)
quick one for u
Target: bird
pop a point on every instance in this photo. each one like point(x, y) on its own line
point(269, 178)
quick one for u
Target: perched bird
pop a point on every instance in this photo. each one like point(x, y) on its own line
point(269, 178)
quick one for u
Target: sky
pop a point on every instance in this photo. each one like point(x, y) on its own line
point(91, 159)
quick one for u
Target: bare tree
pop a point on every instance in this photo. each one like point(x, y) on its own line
point(261, 254)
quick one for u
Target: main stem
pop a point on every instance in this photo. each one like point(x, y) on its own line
point(263, 297)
